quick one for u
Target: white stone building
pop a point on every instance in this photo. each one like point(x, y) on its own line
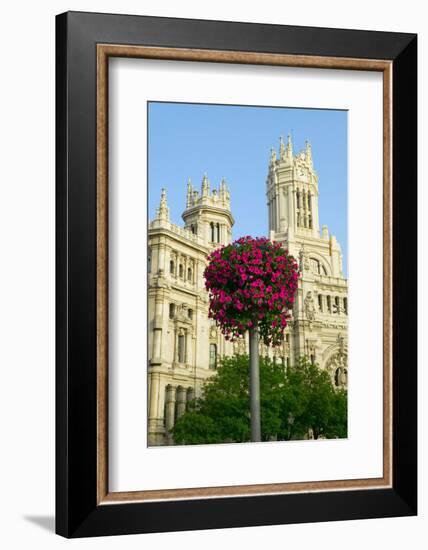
point(184, 345)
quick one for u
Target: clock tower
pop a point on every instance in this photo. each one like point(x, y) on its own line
point(292, 193)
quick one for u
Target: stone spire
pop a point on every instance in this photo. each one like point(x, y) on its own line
point(281, 148)
point(205, 186)
point(272, 157)
point(189, 199)
point(162, 213)
point(308, 154)
point(223, 188)
point(289, 150)
point(224, 192)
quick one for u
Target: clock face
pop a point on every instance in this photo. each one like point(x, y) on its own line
point(302, 173)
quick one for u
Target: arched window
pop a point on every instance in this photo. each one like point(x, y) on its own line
point(149, 260)
point(309, 202)
point(190, 313)
point(212, 232)
point(189, 273)
point(310, 221)
point(213, 356)
point(181, 348)
point(345, 305)
point(181, 270)
point(217, 233)
point(172, 267)
point(315, 266)
point(329, 304)
point(320, 305)
point(298, 199)
point(171, 311)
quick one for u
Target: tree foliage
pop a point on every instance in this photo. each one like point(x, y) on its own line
point(294, 401)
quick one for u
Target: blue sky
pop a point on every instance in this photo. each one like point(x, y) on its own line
point(188, 140)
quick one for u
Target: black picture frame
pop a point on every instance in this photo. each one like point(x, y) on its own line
point(77, 511)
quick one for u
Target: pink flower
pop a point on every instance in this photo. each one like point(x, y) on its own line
point(251, 282)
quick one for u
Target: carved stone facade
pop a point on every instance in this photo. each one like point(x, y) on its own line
point(184, 345)
point(320, 314)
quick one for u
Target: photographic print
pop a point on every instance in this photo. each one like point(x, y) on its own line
point(247, 276)
point(219, 305)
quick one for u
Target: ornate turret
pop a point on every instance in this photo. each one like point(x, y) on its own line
point(208, 214)
point(292, 192)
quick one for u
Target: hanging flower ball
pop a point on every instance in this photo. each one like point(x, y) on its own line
point(251, 283)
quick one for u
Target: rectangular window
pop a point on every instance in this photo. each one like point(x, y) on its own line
point(171, 311)
point(181, 348)
point(213, 356)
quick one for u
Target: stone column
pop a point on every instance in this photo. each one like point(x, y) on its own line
point(315, 220)
point(169, 409)
point(186, 346)
point(154, 395)
point(280, 208)
point(190, 394)
point(181, 401)
point(161, 258)
point(175, 350)
point(157, 340)
point(157, 331)
point(291, 211)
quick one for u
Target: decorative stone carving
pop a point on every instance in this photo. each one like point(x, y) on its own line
point(338, 364)
point(310, 307)
point(304, 264)
point(160, 281)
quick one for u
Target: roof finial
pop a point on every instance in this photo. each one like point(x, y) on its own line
point(162, 213)
point(281, 148)
point(308, 154)
point(189, 193)
point(205, 185)
point(272, 156)
point(289, 151)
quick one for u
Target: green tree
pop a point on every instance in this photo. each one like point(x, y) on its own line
point(293, 401)
point(313, 402)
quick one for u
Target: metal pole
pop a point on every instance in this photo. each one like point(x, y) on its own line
point(256, 433)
